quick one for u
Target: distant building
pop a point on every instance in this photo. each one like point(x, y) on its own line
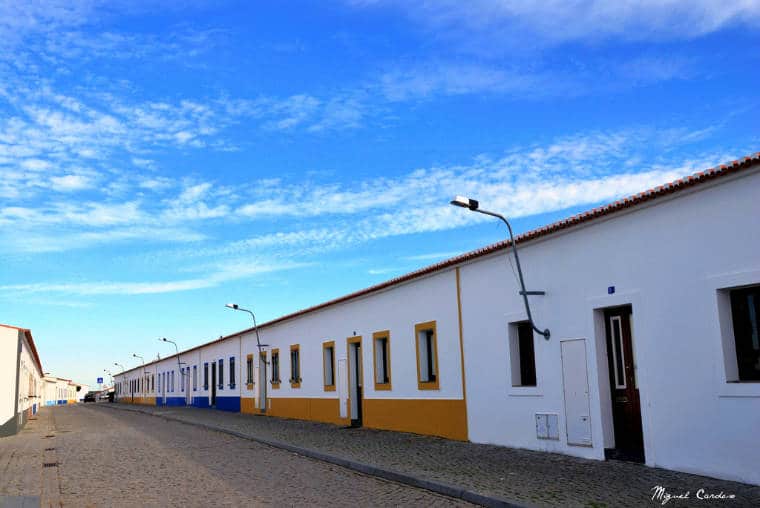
point(21, 385)
point(60, 391)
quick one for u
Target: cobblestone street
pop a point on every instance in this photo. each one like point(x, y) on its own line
point(114, 455)
point(119, 458)
point(522, 476)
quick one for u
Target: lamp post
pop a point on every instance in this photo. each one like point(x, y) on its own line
point(122, 371)
point(109, 375)
point(143, 380)
point(235, 306)
point(474, 206)
point(179, 363)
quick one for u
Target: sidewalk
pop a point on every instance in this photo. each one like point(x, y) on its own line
point(516, 476)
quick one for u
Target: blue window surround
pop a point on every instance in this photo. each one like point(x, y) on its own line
point(232, 372)
point(181, 377)
point(195, 378)
point(220, 372)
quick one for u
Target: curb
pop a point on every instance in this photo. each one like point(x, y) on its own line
point(386, 474)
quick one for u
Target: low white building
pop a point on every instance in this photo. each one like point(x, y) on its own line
point(653, 304)
point(60, 391)
point(21, 374)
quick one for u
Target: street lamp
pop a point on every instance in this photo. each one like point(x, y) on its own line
point(473, 205)
point(179, 363)
point(235, 306)
point(109, 375)
point(122, 384)
point(144, 380)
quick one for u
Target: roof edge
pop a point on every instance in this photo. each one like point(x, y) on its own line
point(624, 203)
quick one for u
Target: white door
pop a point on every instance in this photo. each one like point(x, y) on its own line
point(262, 377)
point(342, 381)
point(575, 383)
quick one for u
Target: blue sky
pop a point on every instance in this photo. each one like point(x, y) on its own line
point(159, 161)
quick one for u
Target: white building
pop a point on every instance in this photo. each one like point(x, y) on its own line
point(60, 391)
point(20, 379)
point(653, 303)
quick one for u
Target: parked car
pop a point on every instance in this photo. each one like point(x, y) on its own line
point(89, 397)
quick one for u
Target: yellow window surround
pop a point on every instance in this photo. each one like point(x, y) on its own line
point(295, 382)
point(275, 382)
point(328, 345)
point(427, 384)
point(249, 358)
point(381, 384)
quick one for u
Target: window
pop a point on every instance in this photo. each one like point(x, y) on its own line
point(328, 362)
point(427, 356)
point(275, 368)
point(249, 371)
point(232, 372)
point(745, 316)
point(205, 376)
point(159, 383)
point(182, 379)
point(152, 382)
point(195, 378)
point(295, 366)
point(221, 374)
point(381, 349)
point(522, 358)
point(172, 381)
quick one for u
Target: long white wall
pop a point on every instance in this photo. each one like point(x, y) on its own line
point(8, 359)
point(397, 310)
point(667, 261)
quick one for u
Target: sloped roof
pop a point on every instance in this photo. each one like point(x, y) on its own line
point(30, 340)
point(646, 196)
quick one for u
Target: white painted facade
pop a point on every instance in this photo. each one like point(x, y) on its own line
point(668, 261)
point(21, 374)
point(671, 260)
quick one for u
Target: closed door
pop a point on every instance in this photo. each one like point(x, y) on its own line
point(575, 387)
point(342, 387)
point(262, 383)
point(355, 380)
point(626, 405)
point(213, 384)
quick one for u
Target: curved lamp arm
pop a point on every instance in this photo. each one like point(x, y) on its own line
point(474, 206)
point(259, 345)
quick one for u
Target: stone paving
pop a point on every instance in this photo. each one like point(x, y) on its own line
point(119, 458)
point(532, 478)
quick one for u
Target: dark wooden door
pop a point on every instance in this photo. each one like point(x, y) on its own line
point(213, 384)
point(626, 406)
point(357, 360)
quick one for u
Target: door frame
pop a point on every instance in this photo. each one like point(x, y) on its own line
point(352, 345)
point(620, 418)
point(262, 380)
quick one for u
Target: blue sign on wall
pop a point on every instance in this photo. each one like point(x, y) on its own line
point(100, 380)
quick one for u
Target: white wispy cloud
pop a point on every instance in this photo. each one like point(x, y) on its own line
point(456, 78)
point(226, 274)
point(478, 24)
